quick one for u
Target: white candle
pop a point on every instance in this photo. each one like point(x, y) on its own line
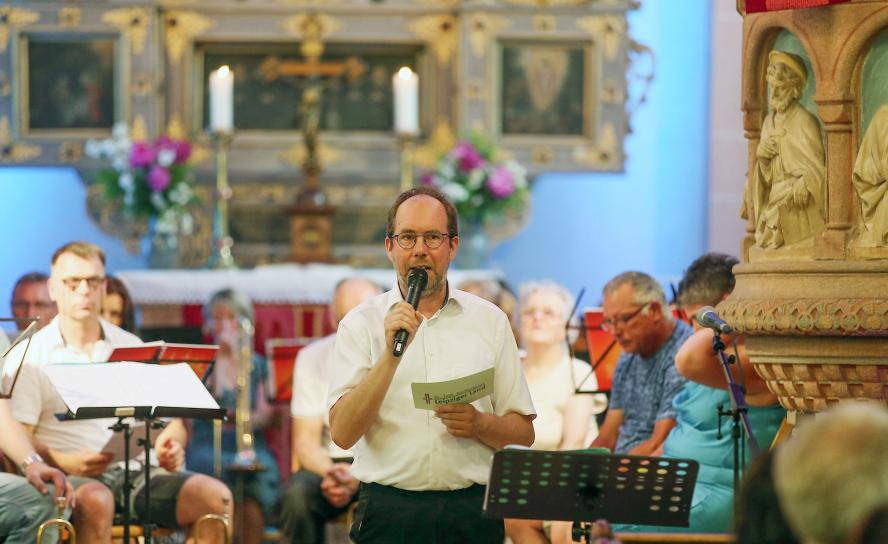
point(406, 90)
point(222, 100)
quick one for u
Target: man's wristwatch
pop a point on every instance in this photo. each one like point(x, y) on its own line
point(30, 460)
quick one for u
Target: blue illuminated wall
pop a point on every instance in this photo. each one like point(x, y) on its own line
point(584, 228)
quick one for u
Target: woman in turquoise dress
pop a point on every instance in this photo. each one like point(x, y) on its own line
point(223, 321)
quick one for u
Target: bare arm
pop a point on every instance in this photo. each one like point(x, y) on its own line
point(658, 436)
point(307, 433)
point(578, 414)
point(610, 430)
point(14, 441)
point(170, 445)
point(355, 411)
point(497, 432)
point(697, 361)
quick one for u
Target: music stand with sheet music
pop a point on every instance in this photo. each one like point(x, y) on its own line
point(125, 390)
point(25, 335)
point(586, 485)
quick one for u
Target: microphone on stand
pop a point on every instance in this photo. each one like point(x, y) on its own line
point(708, 318)
point(416, 282)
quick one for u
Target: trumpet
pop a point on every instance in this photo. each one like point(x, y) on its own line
point(210, 518)
point(60, 521)
point(243, 426)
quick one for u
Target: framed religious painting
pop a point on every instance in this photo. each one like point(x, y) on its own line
point(549, 87)
point(68, 73)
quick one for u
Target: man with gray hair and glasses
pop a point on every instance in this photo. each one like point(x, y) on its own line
point(645, 380)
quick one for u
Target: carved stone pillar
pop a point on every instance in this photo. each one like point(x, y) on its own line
point(815, 312)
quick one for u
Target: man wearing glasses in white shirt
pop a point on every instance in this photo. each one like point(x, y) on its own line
point(423, 472)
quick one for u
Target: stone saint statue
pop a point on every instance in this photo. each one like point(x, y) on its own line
point(871, 181)
point(787, 184)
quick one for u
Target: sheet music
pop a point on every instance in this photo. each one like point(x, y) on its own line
point(128, 384)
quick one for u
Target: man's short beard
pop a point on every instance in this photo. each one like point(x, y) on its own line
point(781, 103)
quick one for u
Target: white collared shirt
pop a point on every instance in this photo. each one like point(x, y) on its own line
point(310, 384)
point(35, 400)
point(410, 448)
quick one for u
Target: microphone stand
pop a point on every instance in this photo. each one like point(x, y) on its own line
point(739, 411)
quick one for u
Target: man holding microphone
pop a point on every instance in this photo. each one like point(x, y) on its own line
point(423, 472)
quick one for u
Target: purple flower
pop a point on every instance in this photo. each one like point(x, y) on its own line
point(427, 179)
point(158, 178)
point(501, 183)
point(142, 155)
point(180, 147)
point(468, 157)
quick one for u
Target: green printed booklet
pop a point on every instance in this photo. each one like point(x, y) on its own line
point(426, 396)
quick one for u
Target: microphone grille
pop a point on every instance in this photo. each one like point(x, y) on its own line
point(702, 312)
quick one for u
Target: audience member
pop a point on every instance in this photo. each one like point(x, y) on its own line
point(645, 380)
point(117, 307)
point(30, 298)
point(323, 488)
point(831, 474)
point(79, 335)
point(759, 517)
point(226, 314)
point(565, 419)
point(498, 292)
point(700, 433)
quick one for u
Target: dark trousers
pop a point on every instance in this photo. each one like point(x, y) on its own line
point(305, 510)
point(390, 515)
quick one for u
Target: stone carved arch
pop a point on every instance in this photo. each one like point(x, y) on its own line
point(849, 59)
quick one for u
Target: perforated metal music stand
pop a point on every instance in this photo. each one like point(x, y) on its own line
point(586, 485)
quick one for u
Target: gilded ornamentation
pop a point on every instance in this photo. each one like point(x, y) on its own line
point(608, 29)
point(180, 29)
point(541, 154)
point(200, 154)
point(141, 85)
point(311, 25)
point(483, 28)
point(544, 23)
point(296, 155)
point(605, 150)
point(440, 142)
point(439, 33)
point(808, 317)
point(12, 152)
point(176, 128)
point(133, 22)
point(476, 90)
point(14, 18)
point(140, 128)
point(69, 17)
point(70, 151)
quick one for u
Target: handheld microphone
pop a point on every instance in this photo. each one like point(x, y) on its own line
point(416, 282)
point(707, 318)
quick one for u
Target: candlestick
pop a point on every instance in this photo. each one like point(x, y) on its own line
point(405, 84)
point(222, 100)
point(222, 241)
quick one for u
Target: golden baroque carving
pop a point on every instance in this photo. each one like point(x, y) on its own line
point(295, 155)
point(808, 317)
point(483, 28)
point(12, 152)
point(604, 152)
point(132, 22)
point(180, 29)
point(70, 151)
point(440, 142)
point(70, 17)
point(140, 128)
point(297, 25)
point(141, 84)
point(476, 89)
point(175, 127)
point(544, 23)
point(15, 18)
point(439, 33)
point(609, 30)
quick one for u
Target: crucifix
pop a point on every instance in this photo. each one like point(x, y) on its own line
point(311, 217)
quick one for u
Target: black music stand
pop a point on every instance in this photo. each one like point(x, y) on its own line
point(24, 336)
point(585, 485)
point(140, 406)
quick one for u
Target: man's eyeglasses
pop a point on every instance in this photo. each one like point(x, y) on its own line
point(432, 239)
point(610, 325)
point(93, 282)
